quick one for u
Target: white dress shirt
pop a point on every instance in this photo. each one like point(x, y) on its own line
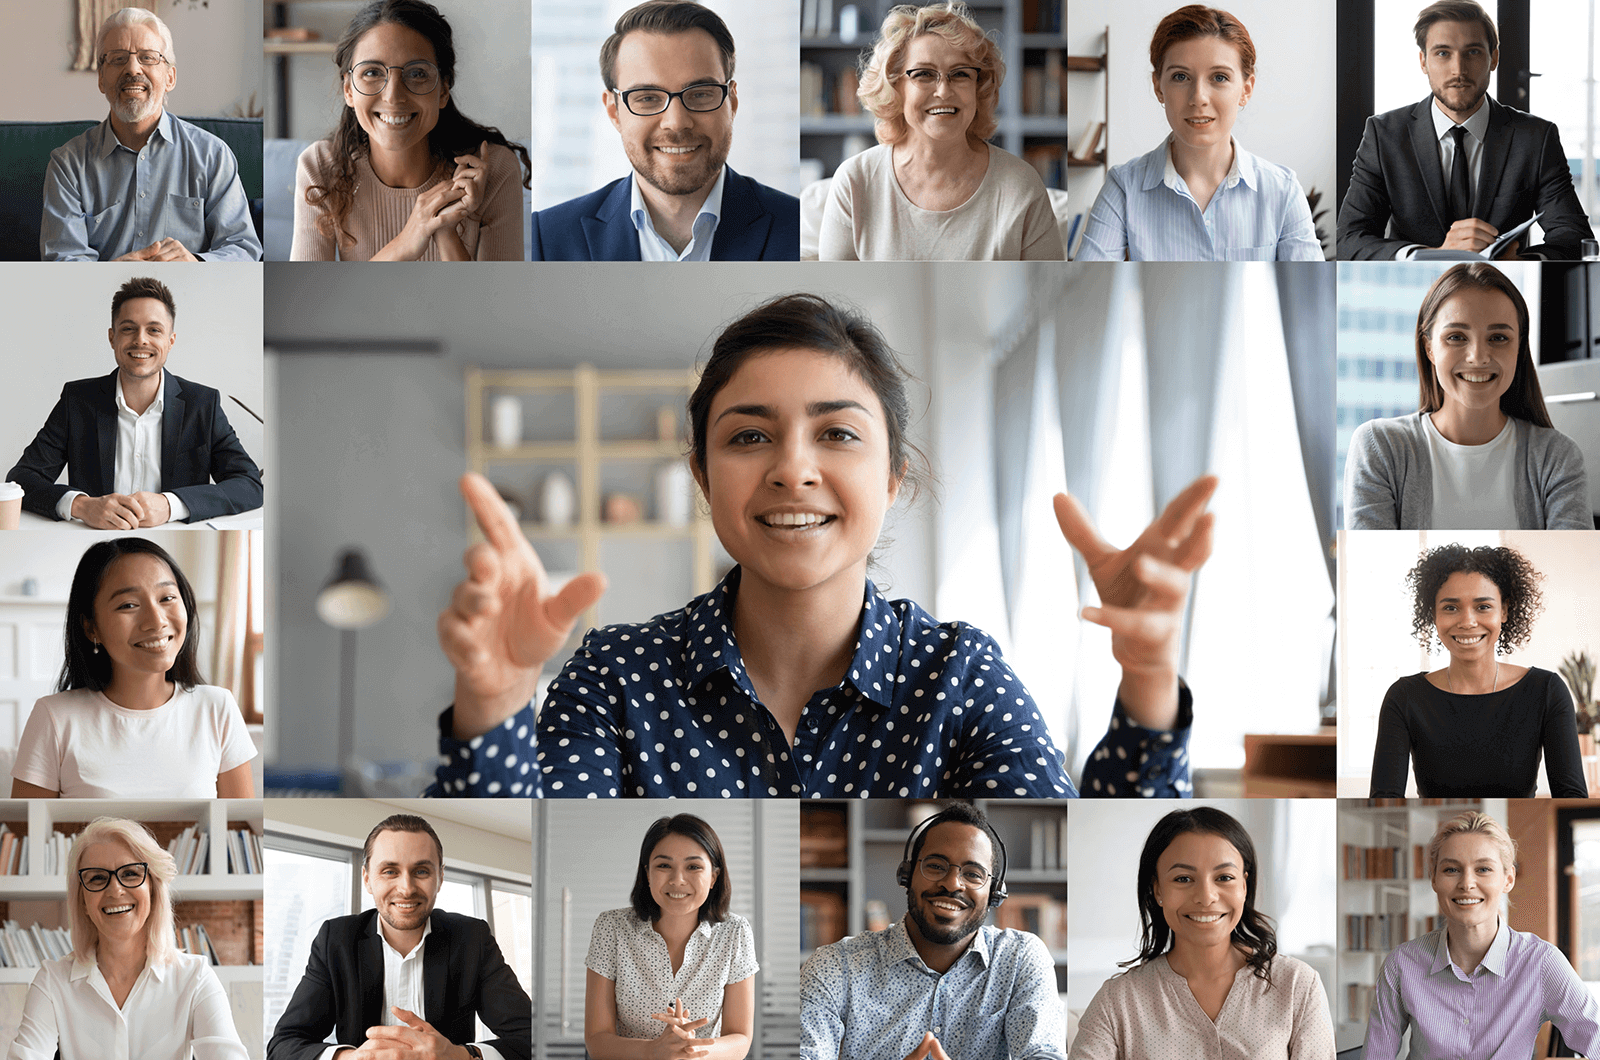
point(1477, 127)
point(654, 248)
point(171, 1009)
point(138, 467)
point(402, 988)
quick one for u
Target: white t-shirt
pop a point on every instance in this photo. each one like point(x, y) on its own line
point(1472, 484)
point(630, 953)
point(86, 747)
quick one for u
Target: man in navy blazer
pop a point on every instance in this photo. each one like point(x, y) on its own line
point(670, 93)
point(141, 446)
point(1406, 190)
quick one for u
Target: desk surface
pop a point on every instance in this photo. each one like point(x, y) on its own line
point(251, 520)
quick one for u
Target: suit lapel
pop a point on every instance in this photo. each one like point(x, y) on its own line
point(105, 423)
point(435, 965)
point(1496, 149)
point(1425, 147)
point(371, 962)
point(743, 227)
point(610, 233)
point(171, 421)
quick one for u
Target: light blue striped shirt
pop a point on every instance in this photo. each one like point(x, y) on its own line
point(1259, 213)
point(102, 200)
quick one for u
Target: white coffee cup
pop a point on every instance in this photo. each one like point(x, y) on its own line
point(10, 505)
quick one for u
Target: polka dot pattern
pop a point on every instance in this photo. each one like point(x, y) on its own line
point(870, 997)
point(664, 709)
point(630, 953)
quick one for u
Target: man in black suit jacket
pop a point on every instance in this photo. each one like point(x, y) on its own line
point(361, 969)
point(107, 431)
point(670, 93)
point(1405, 190)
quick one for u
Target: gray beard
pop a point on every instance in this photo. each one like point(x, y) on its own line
point(135, 110)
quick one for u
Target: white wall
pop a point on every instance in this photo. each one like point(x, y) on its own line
point(58, 333)
point(219, 60)
point(1290, 117)
point(491, 835)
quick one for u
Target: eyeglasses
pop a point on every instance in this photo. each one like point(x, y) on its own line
point(419, 77)
point(645, 102)
point(122, 56)
point(129, 876)
point(937, 869)
point(960, 77)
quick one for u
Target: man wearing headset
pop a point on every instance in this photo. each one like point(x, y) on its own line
point(939, 984)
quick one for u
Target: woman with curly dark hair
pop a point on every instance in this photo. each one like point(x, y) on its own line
point(1477, 727)
point(1208, 967)
point(406, 176)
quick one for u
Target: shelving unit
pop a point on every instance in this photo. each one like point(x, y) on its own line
point(826, 136)
point(1100, 65)
point(875, 832)
point(282, 52)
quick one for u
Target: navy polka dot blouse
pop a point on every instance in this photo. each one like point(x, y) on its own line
point(664, 709)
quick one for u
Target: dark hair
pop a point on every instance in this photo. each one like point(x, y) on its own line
point(1253, 934)
point(968, 814)
point(810, 322)
point(715, 908)
point(1197, 20)
point(455, 133)
point(665, 16)
point(401, 822)
point(143, 287)
point(1454, 11)
point(84, 667)
point(1510, 571)
point(1523, 398)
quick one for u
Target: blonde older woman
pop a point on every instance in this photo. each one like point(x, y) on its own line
point(124, 990)
point(933, 188)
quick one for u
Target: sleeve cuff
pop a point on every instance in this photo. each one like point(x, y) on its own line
point(498, 763)
point(1135, 761)
point(180, 510)
point(64, 505)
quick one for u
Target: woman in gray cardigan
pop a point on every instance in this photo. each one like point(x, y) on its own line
point(1480, 452)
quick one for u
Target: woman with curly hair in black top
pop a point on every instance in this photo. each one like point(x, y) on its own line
point(1476, 728)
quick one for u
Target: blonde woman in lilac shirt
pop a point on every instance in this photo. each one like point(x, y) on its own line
point(1476, 988)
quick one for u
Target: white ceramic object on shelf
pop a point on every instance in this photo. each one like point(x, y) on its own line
point(674, 494)
point(558, 500)
point(505, 421)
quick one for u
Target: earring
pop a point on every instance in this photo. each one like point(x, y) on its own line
point(97, 647)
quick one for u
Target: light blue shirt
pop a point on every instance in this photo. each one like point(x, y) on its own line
point(871, 998)
point(102, 200)
point(1258, 213)
point(653, 248)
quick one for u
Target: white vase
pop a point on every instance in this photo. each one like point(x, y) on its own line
point(505, 421)
point(558, 500)
point(674, 494)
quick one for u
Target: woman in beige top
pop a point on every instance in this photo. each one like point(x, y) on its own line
point(933, 188)
point(406, 176)
point(1208, 981)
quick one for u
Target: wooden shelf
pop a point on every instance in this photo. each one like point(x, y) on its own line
point(298, 47)
point(1085, 63)
point(1099, 159)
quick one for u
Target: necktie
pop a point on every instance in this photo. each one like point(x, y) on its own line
point(1460, 178)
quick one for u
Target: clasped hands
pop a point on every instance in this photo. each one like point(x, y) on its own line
point(417, 1040)
point(438, 209)
point(677, 1040)
point(160, 250)
point(122, 511)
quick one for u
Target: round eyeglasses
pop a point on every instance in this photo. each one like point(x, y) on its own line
point(122, 57)
point(937, 869)
point(960, 77)
point(646, 102)
point(130, 876)
point(419, 77)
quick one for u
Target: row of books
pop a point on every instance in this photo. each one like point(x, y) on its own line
point(817, 19)
point(1403, 803)
point(1375, 931)
point(189, 849)
point(1047, 844)
point(1044, 89)
point(28, 947)
point(1042, 16)
point(196, 939)
point(1037, 913)
point(1381, 863)
point(244, 852)
point(822, 919)
point(1358, 1000)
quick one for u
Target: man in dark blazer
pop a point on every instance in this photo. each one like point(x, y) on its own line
point(1406, 191)
point(670, 93)
point(107, 432)
point(360, 976)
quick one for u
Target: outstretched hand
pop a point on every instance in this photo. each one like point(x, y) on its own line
point(504, 621)
point(1142, 591)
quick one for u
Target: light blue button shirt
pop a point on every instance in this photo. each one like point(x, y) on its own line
point(871, 997)
point(1258, 213)
point(102, 200)
point(653, 248)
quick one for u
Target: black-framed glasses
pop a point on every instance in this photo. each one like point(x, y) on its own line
point(937, 869)
point(960, 77)
point(130, 876)
point(419, 77)
point(646, 102)
point(122, 56)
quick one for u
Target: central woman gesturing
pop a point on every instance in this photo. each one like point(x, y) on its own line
point(795, 677)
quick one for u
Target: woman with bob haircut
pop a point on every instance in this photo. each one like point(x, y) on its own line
point(1476, 728)
point(1480, 452)
point(131, 717)
point(1199, 196)
point(406, 176)
point(1208, 970)
point(124, 979)
point(795, 677)
point(1509, 981)
point(933, 189)
point(674, 974)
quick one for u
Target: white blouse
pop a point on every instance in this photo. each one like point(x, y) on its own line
point(630, 953)
point(171, 1009)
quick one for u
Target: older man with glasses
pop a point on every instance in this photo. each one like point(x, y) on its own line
point(669, 90)
point(143, 185)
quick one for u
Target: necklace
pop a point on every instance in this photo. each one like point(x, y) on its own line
point(1451, 680)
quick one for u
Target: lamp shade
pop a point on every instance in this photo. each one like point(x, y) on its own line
point(352, 597)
